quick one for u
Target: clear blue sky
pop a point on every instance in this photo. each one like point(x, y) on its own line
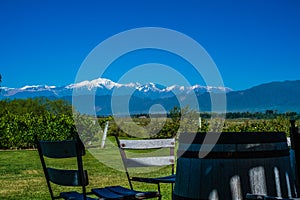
point(251, 41)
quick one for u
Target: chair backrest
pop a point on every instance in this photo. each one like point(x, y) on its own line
point(64, 177)
point(148, 160)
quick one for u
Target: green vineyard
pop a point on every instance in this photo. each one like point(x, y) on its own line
point(22, 120)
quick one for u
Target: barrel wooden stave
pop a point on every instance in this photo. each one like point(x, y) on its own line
point(234, 167)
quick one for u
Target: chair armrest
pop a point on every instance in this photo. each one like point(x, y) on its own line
point(156, 180)
point(145, 180)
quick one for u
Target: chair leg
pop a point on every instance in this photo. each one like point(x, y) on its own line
point(172, 190)
point(158, 189)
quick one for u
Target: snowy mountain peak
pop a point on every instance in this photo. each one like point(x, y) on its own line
point(150, 87)
point(103, 86)
point(97, 83)
point(37, 87)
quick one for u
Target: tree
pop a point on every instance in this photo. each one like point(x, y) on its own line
point(175, 114)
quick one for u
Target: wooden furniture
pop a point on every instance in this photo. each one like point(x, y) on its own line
point(126, 145)
point(295, 148)
point(237, 164)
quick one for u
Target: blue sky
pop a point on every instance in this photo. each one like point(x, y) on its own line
point(251, 41)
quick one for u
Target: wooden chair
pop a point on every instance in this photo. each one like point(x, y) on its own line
point(78, 177)
point(157, 161)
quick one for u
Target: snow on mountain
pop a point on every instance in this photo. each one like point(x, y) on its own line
point(103, 86)
point(37, 87)
point(175, 87)
point(148, 87)
point(97, 83)
point(279, 96)
point(31, 91)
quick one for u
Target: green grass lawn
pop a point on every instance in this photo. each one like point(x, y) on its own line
point(22, 178)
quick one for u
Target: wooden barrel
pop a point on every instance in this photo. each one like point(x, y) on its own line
point(239, 163)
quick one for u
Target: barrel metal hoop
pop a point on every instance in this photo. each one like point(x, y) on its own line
point(236, 155)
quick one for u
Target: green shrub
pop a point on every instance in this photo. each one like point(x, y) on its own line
point(22, 120)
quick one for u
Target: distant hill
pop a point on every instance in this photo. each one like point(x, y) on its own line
point(279, 96)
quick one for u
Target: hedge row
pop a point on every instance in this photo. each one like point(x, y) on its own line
point(22, 120)
point(18, 131)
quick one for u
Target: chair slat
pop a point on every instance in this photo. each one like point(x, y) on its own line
point(133, 193)
point(150, 161)
point(121, 190)
point(147, 144)
point(74, 195)
point(66, 177)
point(106, 193)
point(59, 149)
point(164, 179)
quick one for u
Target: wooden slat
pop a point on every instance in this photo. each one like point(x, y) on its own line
point(234, 167)
point(147, 144)
point(150, 161)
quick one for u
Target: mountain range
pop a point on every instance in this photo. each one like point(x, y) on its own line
point(280, 96)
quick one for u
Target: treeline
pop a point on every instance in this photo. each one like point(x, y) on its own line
point(36, 106)
point(268, 114)
point(22, 120)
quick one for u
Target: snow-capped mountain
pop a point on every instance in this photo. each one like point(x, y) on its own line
point(103, 86)
point(280, 96)
point(28, 91)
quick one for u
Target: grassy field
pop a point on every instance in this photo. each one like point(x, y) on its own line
point(22, 178)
